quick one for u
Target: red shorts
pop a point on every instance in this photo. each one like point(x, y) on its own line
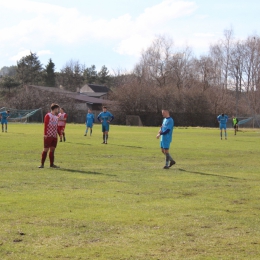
point(61, 129)
point(50, 142)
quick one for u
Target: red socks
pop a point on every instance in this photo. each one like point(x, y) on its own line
point(44, 155)
point(51, 156)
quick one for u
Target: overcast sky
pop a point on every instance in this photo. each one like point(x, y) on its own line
point(114, 32)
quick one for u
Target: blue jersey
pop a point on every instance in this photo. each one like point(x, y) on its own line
point(4, 116)
point(222, 119)
point(167, 130)
point(104, 117)
point(90, 119)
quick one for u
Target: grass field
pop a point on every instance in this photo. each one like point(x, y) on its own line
point(115, 202)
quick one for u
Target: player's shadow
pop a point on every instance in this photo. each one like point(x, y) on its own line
point(208, 174)
point(85, 172)
point(78, 143)
point(128, 146)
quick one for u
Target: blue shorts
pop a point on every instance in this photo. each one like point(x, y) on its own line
point(222, 127)
point(165, 145)
point(105, 128)
point(90, 125)
point(3, 121)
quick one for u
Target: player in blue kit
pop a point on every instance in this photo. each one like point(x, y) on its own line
point(166, 137)
point(105, 118)
point(4, 116)
point(90, 119)
point(222, 119)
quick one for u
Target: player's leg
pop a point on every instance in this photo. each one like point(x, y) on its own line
point(86, 132)
point(106, 133)
point(45, 151)
point(63, 133)
point(90, 131)
point(6, 127)
point(225, 130)
point(2, 127)
point(51, 153)
point(235, 130)
point(221, 128)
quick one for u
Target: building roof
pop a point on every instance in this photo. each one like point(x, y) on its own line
point(99, 88)
point(74, 95)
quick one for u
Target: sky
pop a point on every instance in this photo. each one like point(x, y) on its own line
point(115, 32)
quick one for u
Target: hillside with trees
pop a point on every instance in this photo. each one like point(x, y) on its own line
point(196, 89)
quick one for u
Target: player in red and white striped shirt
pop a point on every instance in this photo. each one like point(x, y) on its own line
point(62, 123)
point(50, 135)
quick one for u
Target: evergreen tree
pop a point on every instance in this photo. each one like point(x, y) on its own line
point(50, 74)
point(90, 74)
point(29, 69)
point(103, 75)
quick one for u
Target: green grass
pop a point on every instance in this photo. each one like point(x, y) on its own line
point(115, 202)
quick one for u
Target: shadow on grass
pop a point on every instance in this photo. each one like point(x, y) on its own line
point(128, 146)
point(84, 172)
point(78, 143)
point(208, 174)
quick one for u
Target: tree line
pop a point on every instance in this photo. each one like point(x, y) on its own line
point(225, 80)
point(196, 89)
point(30, 71)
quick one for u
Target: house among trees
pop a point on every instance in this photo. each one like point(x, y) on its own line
point(96, 91)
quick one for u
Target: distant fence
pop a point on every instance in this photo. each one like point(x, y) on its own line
point(155, 119)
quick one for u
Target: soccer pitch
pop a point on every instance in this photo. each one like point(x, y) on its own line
point(116, 202)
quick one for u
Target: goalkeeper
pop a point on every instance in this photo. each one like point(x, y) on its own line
point(235, 124)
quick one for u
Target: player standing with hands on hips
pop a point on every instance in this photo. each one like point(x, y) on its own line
point(62, 120)
point(90, 119)
point(165, 134)
point(222, 119)
point(4, 119)
point(50, 135)
point(105, 118)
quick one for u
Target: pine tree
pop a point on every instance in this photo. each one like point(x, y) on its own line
point(103, 75)
point(50, 74)
point(29, 69)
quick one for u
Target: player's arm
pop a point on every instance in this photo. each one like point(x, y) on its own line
point(111, 118)
point(99, 118)
point(46, 122)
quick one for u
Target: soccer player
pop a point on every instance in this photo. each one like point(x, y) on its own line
point(166, 137)
point(90, 119)
point(222, 119)
point(105, 118)
point(50, 135)
point(4, 121)
point(235, 124)
point(62, 119)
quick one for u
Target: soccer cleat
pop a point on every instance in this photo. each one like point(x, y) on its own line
point(60, 140)
point(54, 166)
point(64, 139)
point(166, 167)
point(85, 135)
point(103, 143)
point(172, 163)
point(41, 166)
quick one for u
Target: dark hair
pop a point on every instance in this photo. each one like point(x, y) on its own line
point(222, 114)
point(62, 109)
point(105, 107)
point(8, 111)
point(54, 106)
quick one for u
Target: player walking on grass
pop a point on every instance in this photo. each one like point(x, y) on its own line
point(62, 119)
point(105, 118)
point(4, 119)
point(166, 137)
point(235, 124)
point(222, 119)
point(50, 135)
point(90, 119)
